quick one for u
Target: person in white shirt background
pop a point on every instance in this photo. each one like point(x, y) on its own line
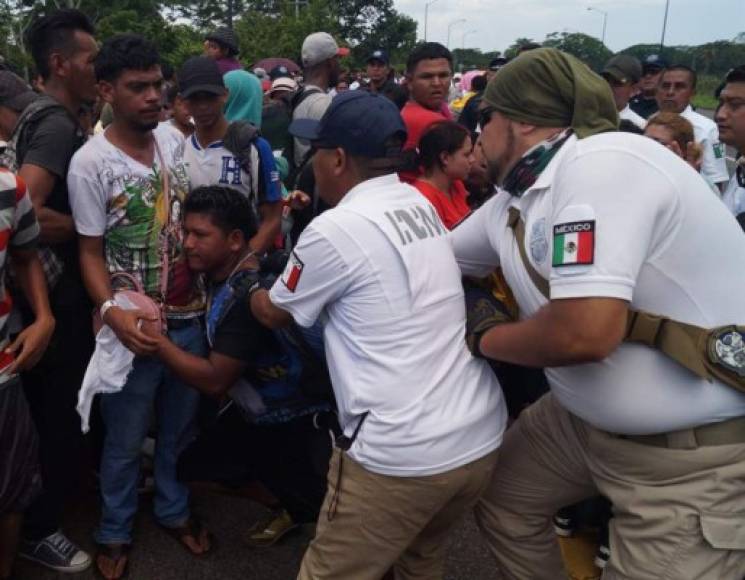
point(623, 73)
point(730, 118)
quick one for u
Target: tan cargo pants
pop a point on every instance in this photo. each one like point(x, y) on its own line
point(679, 514)
point(382, 522)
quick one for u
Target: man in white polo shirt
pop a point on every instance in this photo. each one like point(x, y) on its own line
point(676, 89)
point(730, 118)
point(581, 251)
point(422, 418)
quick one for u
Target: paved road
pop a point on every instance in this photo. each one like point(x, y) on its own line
point(158, 557)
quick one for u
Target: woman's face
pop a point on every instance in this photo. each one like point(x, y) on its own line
point(457, 165)
point(664, 136)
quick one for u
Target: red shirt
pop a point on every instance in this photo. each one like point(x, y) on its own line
point(417, 119)
point(451, 209)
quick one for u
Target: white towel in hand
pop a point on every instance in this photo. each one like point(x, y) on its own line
point(108, 368)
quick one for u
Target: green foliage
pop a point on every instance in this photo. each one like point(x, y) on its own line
point(472, 58)
point(511, 51)
point(587, 48)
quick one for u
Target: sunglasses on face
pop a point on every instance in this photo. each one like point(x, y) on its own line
point(485, 116)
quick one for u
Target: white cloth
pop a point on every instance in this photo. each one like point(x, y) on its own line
point(662, 242)
point(108, 368)
point(379, 272)
point(706, 133)
point(629, 115)
point(215, 165)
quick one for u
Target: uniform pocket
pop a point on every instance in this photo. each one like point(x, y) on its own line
point(724, 531)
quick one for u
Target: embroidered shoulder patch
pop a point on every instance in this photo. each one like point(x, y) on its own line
point(293, 270)
point(574, 243)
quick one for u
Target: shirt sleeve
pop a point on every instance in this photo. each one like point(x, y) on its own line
point(52, 145)
point(714, 164)
point(87, 200)
point(316, 275)
point(25, 233)
point(475, 242)
point(601, 233)
point(239, 335)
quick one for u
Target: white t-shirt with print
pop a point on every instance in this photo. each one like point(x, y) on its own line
point(661, 242)
point(379, 272)
point(706, 133)
point(215, 165)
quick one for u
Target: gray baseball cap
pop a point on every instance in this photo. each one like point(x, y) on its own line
point(320, 46)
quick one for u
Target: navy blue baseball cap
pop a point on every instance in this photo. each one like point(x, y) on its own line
point(360, 122)
point(653, 63)
point(379, 55)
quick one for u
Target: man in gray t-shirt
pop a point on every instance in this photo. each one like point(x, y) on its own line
point(320, 55)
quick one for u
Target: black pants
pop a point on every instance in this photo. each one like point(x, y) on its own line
point(52, 391)
point(291, 459)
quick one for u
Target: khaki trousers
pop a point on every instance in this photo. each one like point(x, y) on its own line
point(382, 521)
point(679, 514)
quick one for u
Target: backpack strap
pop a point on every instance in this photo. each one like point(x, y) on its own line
point(518, 227)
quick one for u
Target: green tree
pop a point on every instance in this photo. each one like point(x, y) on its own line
point(512, 50)
point(587, 48)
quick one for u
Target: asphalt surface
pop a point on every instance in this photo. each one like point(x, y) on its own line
point(156, 556)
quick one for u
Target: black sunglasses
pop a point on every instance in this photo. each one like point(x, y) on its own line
point(485, 116)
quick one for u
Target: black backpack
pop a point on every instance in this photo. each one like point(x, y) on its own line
point(297, 165)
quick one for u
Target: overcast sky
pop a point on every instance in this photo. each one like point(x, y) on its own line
point(494, 24)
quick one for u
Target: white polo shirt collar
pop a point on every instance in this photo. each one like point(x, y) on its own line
point(390, 180)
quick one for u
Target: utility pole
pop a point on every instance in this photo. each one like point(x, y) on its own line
point(426, 14)
point(230, 14)
point(664, 25)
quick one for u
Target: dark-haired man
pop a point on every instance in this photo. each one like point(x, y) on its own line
point(623, 73)
point(429, 69)
point(378, 69)
point(222, 46)
point(379, 265)
point(674, 93)
point(269, 430)
point(127, 186)
point(46, 135)
point(730, 118)
point(469, 117)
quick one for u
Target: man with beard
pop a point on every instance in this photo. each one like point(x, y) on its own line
point(629, 308)
point(126, 188)
point(320, 55)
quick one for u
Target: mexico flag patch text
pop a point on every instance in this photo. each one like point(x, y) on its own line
point(574, 243)
point(293, 270)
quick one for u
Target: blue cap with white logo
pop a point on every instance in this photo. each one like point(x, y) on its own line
point(360, 122)
point(379, 55)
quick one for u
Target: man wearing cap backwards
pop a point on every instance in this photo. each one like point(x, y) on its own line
point(645, 103)
point(674, 93)
point(730, 118)
point(378, 70)
point(422, 419)
point(623, 72)
point(222, 46)
point(320, 55)
point(604, 222)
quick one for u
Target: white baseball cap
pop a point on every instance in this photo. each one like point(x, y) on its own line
point(320, 46)
point(282, 84)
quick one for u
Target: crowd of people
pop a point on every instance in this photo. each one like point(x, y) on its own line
point(386, 299)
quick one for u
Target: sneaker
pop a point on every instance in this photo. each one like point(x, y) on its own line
point(603, 554)
point(56, 552)
point(565, 523)
point(270, 530)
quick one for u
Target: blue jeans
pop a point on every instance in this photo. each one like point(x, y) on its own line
point(126, 416)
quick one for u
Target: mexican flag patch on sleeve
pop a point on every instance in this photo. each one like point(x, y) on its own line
point(574, 243)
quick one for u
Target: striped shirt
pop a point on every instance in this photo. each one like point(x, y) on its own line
point(19, 230)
